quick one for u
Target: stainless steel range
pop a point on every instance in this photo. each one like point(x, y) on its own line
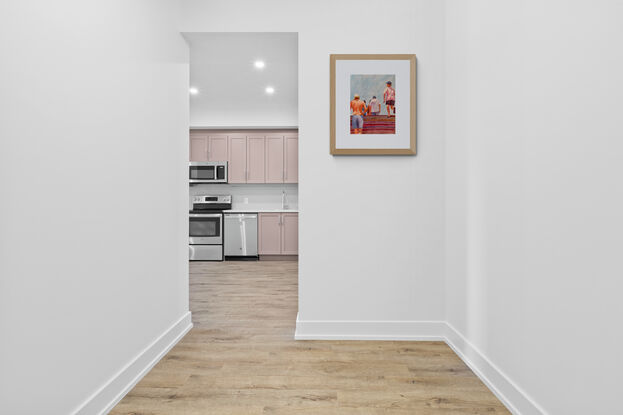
point(205, 236)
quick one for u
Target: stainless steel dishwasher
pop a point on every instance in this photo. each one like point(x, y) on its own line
point(240, 235)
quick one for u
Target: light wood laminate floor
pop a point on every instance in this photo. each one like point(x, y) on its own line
point(241, 358)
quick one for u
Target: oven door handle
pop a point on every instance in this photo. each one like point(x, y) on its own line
point(205, 215)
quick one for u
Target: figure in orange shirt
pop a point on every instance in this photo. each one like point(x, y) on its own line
point(358, 108)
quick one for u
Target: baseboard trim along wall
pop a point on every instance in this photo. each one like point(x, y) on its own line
point(369, 330)
point(507, 391)
point(106, 397)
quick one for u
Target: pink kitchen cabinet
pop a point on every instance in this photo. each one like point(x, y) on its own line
point(269, 234)
point(274, 159)
point(291, 158)
point(289, 233)
point(217, 147)
point(198, 147)
point(256, 154)
point(278, 233)
point(237, 159)
point(253, 157)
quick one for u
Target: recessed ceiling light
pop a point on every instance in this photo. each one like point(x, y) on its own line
point(259, 64)
point(193, 91)
point(270, 90)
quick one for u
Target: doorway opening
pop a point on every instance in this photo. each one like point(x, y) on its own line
point(243, 182)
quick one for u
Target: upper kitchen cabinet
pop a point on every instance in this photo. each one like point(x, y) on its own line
point(206, 147)
point(274, 159)
point(291, 158)
point(198, 146)
point(253, 157)
point(282, 158)
point(256, 159)
point(217, 147)
point(237, 159)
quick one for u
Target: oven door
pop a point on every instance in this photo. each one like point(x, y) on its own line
point(205, 229)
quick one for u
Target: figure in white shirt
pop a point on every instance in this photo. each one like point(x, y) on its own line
point(389, 97)
point(374, 107)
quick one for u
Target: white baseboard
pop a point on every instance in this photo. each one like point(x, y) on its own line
point(508, 392)
point(369, 330)
point(106, 397)
point(512, 396)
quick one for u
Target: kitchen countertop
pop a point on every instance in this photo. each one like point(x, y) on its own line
point(251, 209)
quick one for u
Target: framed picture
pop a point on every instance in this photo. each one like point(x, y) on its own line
point(373, 104)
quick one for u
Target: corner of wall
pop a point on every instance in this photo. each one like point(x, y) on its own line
point(510, 394)
point(109, 394)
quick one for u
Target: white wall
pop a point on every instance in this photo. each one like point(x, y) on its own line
point(371, 228)
point(93, 106)
point(523, 196)
point(533, 195)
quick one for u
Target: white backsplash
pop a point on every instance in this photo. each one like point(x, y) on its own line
point(260, 196)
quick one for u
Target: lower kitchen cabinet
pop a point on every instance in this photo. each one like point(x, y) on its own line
point(278, 233)
point(269, 234)
point(289, 233)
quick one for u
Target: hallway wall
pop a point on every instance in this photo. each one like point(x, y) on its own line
point(371, 228)
point(507, 223)
point(93, 274)
point(534, 230)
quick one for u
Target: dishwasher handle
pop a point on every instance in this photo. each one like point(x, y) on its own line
point(242, 215)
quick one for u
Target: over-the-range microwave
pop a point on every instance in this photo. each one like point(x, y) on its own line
point(207, 172)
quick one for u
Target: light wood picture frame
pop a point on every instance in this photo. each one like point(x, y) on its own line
point(388, 131)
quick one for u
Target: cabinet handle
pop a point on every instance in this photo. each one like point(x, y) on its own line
point(285, 158)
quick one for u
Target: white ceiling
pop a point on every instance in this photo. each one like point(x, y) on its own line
point(232, 90)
